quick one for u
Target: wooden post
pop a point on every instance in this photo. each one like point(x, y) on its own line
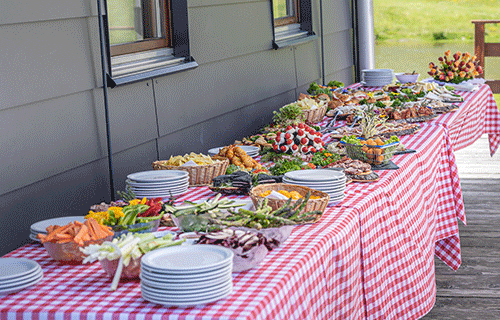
point(479, 43)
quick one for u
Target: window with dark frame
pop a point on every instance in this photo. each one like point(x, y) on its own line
point(285, 12)
point(292, 21)
point(146, 38)
point(138, 25)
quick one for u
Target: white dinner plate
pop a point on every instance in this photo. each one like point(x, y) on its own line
point(34, 238)
point(180, 285)
point(152, 274)
point(41, 226)
point(181, 290)
point(156, 184)
point(12, 268)
point(5, 284)
point(327, 184)
point(20, 287)
point(315, 175)
point(158, 175)
point(156, 191)
point(187, 259)
point(161, 187)
point(187, 297)
point(168, 303)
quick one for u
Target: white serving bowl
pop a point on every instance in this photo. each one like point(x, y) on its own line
point(405, 78)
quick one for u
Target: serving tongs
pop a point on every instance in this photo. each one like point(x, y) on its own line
point(332, 129)
point(330, 125)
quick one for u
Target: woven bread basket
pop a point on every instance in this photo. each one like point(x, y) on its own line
point(198, 175)
point(316, 115)
point(312, 205)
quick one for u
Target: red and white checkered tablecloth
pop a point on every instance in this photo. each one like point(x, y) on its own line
point(478, 114)
point(369, 257)
point(315, 274)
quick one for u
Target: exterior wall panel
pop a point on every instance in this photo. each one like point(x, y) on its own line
point(30, 11)
point(44, 60)
point(46, 138)
point(221, 32)
point(220, 87)
point(132, 115)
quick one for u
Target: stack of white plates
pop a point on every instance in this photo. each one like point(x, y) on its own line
point(377, 77)
point(17, 274)
point(252, 151)
point(187, 275)
point(329, 181)
point(158, 183)
point(41, 226)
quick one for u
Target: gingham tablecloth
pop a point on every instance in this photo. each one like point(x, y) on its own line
point(478, 114)
point(369, 257)
point(315, 274)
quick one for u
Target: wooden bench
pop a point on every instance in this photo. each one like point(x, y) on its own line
point(482, 49)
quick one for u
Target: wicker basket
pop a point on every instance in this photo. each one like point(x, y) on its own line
point(316, 115)
point(376, 155)
point(198, 175)
point(312, 205)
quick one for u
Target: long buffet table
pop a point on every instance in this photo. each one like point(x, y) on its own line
point(371, 256)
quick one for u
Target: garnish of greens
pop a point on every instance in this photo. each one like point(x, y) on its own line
point(232, 168)
point(126, 195)
point(352, 139)
point(283, 166)
point(265, 217)
point(286, 114)
point(127, 247)
point(337, 84)
point(324, 158)
point(315, 89)
point(268, 154)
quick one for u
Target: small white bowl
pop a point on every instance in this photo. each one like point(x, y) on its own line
point(405, 78)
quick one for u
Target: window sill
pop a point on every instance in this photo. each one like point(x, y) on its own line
point(291, 35)
point(132, 68)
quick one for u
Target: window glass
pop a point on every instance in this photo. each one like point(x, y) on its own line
point(137, 21)
point(285, 12)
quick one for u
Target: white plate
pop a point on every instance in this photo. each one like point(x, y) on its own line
point(315, 175)
point(152, 274)
point(34, 238)
point(164, 187)
point(328, 184)
point(41, 226)
point(11, 268)
point(21, 287)
point(159, 189)
point(187, 259)
point(168, 303)
point(6, 284)
point(377, 71)
point(185, 291)
point(248, 149)
point(158, 175)
point(180, 285)
point(187, 297)
point(169, 275)
point(153, 184)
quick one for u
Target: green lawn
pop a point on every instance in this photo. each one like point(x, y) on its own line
point(432, 21)
point(497, 99)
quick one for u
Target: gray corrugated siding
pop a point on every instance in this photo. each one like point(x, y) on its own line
point(52, 133)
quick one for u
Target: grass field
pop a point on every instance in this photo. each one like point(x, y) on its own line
point(432, 21)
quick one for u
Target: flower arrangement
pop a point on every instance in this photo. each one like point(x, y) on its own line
point(371, 119)
point(457, 68)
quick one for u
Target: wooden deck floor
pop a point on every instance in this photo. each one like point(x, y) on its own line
point(473, 291)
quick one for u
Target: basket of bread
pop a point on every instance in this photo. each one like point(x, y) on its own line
point(237, 156)
point(202, 168)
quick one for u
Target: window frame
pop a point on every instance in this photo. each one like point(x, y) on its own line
point(293, 33)
point(279, 22)
point(150, 62)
